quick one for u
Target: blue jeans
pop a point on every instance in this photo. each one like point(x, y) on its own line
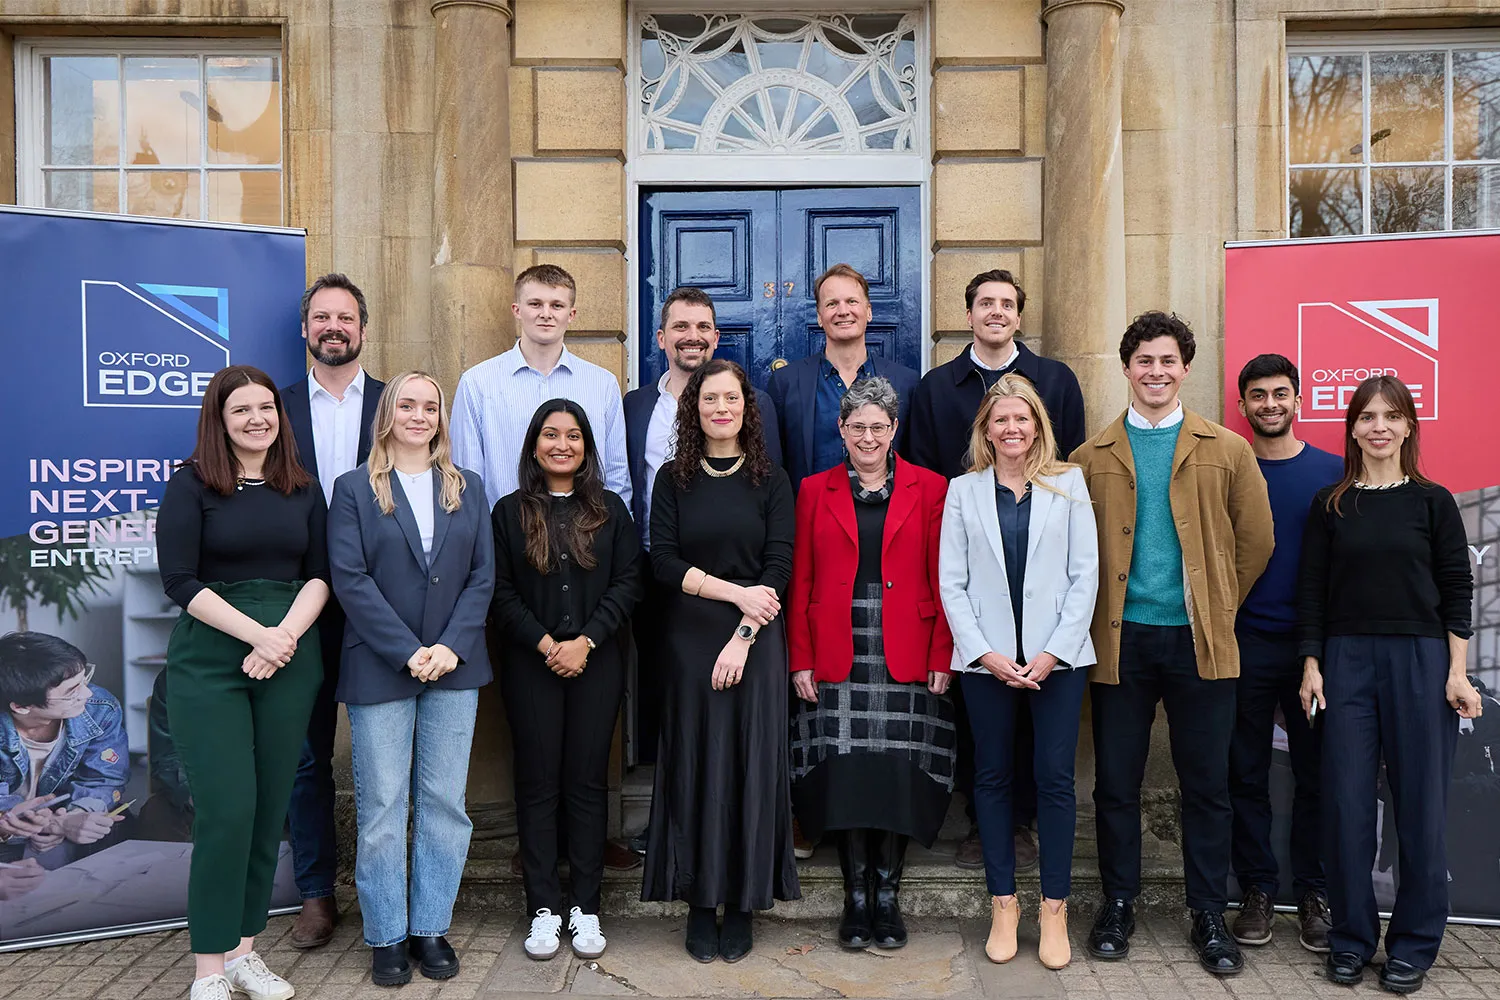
point(1055, 712)
point(416, 748)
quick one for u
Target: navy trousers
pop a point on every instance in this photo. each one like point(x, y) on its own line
point(315, 850)
point(1387, 699)
point(1270, 677)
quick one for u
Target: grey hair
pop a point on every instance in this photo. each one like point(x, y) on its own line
point(875, 391)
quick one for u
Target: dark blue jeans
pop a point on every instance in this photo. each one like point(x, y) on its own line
point(1055, 712)
point(1387, 699)
point(1271, 675)
point(315, 851)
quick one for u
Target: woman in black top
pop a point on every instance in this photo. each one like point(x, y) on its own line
point(566, 580)
point(241, 546)
point(722, 520)
point(1384, 616)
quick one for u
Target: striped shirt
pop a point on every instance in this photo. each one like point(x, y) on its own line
point(496, 400)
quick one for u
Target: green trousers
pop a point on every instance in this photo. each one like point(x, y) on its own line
point(239, 741)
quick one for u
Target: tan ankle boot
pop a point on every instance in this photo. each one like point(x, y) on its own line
point(1054, 950)
point(1001, 947)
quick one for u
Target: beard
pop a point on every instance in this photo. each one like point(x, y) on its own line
point(1261, 430)
point(690, 365)
point(349, 353)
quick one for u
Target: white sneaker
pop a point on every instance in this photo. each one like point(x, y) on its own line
point(545, 937)
point(250, 976)
point(214, 987)
point(588, 940)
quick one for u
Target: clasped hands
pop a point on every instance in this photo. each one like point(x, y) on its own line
point(273, 649)
point(1013, 674)
point(759, 604)
point(565, 658)
point(429, 663)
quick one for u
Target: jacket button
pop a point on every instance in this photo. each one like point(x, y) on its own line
point(564, 557)
point(1114, 624)
point(1132, 484)
point(1126, 530)
point(889, 584)
point(565, 588)
point(434, 579)
point(1122, 576)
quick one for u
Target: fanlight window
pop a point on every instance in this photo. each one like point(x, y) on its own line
point(748, 83)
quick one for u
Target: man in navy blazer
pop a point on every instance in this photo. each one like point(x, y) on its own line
point(331, 412)
point(806, 393)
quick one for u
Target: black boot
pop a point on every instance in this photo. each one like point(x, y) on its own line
point(702, 937)
point(887, 858)
point(856, 929)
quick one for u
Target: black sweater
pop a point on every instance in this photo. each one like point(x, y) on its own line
point(568, 601)
point(1395, 563)
point(254, 533)
point(723, 526)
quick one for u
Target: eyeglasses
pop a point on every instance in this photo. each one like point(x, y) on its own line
point(79, 693)
point(860, 430)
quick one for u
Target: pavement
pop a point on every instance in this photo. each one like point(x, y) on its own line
point(792, 958)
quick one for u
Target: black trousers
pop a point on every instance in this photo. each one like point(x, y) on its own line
point(1270, 677)
point(648, 624)
point(1158, 664)
point(562, 730)
point(1387, 699)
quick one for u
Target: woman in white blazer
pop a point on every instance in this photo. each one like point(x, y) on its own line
point(1018, 572)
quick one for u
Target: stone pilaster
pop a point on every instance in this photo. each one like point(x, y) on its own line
point(1083, 232)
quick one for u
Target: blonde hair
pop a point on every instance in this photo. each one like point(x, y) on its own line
point(440, 448)
point(1041, 458)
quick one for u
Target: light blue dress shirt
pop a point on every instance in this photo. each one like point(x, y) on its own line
point(497, 398)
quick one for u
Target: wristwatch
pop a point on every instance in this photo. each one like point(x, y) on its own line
point(745, 632)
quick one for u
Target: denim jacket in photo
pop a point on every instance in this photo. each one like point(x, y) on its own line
point(93, 762)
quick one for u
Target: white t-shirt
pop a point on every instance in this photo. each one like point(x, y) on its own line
point(418, 491)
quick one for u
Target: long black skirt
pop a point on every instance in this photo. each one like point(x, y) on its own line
point(721, 817)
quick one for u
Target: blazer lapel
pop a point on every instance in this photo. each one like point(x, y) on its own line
point(809, 409)
point(408, 522)
point(1042, 502)
point(841, 503)
point(441, 519)
point(984, 488)
point(903, 502)
point(371, 400)
point(299, 413)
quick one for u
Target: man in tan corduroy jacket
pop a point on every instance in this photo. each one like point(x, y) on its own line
point(1184, 531)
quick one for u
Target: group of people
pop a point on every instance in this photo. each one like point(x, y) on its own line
point(800, 573)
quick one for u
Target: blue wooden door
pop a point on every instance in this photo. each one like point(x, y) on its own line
point(757, 253)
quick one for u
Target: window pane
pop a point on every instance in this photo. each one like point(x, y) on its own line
point(1406, 107)
point(1325, 203)
point(170, 194)
point(163, 111)
point(83, 109)
point(1325, 100)
point(1476, 198)
point(249, 196)
point(1406, 199)
point(1476, 106)
point(84, 190)
point(244, 109)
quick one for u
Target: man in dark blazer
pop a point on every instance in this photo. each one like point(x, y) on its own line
point(937, 437)
point(806, 392)
point(331, 413)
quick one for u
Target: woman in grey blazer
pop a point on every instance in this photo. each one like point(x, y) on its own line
point(412, 560)
point(1018, 569)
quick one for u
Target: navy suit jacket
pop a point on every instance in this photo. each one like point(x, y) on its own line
point(299, 412)
point(794, 392)
point(638, 406)
point(396, 599)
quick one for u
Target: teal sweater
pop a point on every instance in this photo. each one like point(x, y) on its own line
point(1153, 594)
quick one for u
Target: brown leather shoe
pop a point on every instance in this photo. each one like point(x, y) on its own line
point(315, 924)
point(1252, 926)
point(1316, 922)
point(970, 853)
point(618, 857)
point(1026, 852)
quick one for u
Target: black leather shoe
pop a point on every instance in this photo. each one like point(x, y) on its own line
point(435, 957)
point(856, 927)
point(1345, 968)
point(737, 938)
point(388, 965)
point(702, 938)
point(887, 860)
point(1110, 936)
point(1217, 950)
point(1401, 977)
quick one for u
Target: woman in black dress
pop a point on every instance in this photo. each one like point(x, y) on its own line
point(722, 520)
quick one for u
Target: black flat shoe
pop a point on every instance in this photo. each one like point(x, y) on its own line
point(702, 938)
point(1401, 977)
point(1216, 948)
point(1110, 937)
point(1345, 968)
point(737, 938)
point(434, 956)
point(388, 965)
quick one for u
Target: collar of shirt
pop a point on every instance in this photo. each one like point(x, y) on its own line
point(357, 387)
point(1015, 352)
point(513, 362)
point(866, 369)
point(1172, 419)
point(661, 383)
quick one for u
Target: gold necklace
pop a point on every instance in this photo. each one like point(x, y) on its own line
point(727, 472)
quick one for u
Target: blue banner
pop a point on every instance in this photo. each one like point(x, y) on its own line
point(111, 329)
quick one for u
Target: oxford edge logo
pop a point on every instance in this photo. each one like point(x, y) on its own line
point(152, 346)
point(1340, 344)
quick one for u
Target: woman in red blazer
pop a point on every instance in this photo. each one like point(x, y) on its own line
point(873, 741)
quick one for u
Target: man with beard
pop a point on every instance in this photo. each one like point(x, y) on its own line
point(1271, 670)
point(689, 335)
point(331, 413)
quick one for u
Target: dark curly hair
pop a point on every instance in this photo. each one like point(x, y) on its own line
point(690, 436)
point(1149, 326)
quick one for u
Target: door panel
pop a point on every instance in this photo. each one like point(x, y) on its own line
point(757, 253)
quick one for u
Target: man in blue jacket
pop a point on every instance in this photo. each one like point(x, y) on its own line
point(807, 392)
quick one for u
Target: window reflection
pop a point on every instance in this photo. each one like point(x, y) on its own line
point(1326, 203)
point(1406, 106)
